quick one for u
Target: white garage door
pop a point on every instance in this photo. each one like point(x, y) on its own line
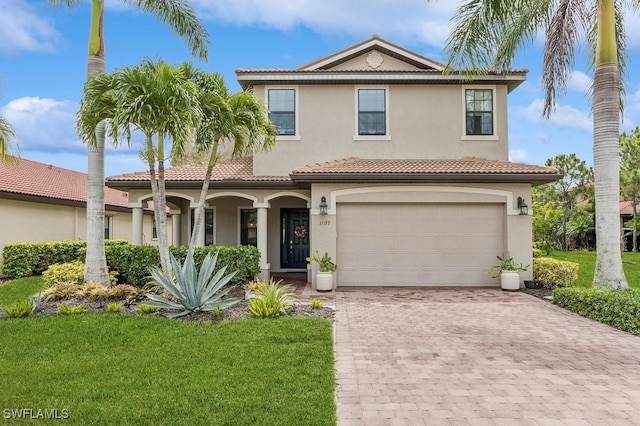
point(418, 244)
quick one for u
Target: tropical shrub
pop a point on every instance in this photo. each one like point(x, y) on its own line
point(193, 291)
point(554, 273)
point(60, 291)
point(70, 272)
point(114, 307)
point(19, 309)
point(617, 308)
point(65, 309)
point(271, 300)
point(146, 309)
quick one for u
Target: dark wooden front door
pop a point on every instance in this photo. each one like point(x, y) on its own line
point(294, 246)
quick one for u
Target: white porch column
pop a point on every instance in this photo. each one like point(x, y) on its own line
point(262, 239)
point(136, 226)
point(175, 224)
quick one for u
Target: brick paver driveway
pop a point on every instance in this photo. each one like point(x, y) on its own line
point(424, 356)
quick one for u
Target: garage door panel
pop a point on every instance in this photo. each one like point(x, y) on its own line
point(418, 244)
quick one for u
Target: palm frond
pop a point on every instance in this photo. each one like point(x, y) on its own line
point(560, 39)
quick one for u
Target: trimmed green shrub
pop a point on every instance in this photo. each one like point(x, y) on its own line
point(133, 263)
point(617, 308)
point(27, 259)
point(554, 273)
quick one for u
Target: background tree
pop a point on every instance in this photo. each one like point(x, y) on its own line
point(546, 217)
point(181, 17)
point(159, 100)
point(571, 189)
point(630, 177)
point(489, 33)
point(234, 125)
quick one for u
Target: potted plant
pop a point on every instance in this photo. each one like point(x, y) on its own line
point(509, 272)
point(324, 277)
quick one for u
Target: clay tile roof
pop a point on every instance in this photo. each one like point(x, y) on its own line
point(626, 207)
point(31, 178)
point(239, 169)
point(466, 165)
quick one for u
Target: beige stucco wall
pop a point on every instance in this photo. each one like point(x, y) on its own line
point(33, 222)
point(425, 121)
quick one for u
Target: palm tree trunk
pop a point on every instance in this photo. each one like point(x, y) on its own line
point(606, 153)
point(153, 178)
point(95, 268)
point(161, 212)
point(199, 217)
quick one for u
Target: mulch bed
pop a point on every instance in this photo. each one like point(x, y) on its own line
point(238, 311)
point(541, 293)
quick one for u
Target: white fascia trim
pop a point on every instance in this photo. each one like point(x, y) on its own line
point(382, 76)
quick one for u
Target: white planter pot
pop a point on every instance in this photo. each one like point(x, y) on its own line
point(324, 281)
point(510, 280)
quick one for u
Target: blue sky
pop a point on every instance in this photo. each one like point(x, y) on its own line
point(43, 57)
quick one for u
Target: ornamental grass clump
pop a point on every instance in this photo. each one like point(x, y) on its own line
point(272, 300)
point(19, 309)
point(192, 291)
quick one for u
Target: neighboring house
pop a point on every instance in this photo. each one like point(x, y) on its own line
point(398, 171)
point(626, 214)
point(41, 202)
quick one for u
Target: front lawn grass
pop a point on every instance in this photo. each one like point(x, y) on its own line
point(587, 262)
point(129, 370)
point(19, 289)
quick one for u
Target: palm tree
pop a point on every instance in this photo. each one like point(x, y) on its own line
point(180, 16)
point(630, 177)
point(240, 119)
point(159, 100)
point(7, 134)
point(488, 34)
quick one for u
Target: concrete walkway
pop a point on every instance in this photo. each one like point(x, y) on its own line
point(476, 357)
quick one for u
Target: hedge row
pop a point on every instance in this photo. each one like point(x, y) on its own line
point(617, 308)
point(26, 259)
point(132, 263)
point(553, 273)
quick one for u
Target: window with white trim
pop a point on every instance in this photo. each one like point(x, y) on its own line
point(479, 112)
point(372, 114)
point(249, 227)
point(282, 110)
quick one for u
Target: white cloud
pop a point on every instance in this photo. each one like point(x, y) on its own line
point(579, 82)
point(400, 20)
point(44, 124)
point(22, 29)
point(564, 116)
point(518, 156)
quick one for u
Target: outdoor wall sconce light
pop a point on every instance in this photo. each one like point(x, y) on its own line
point(524, 209)
point(323, 205)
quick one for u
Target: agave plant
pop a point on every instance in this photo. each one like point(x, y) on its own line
point(190, 291)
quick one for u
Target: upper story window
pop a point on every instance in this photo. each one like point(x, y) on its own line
point(372, 115)
point(282, 110)
point(479, 113)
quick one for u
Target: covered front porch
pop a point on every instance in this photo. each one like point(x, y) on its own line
point(274, 221)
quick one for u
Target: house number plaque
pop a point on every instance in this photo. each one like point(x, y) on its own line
point(325, 222)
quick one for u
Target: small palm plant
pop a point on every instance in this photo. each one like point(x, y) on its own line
point(190, 291)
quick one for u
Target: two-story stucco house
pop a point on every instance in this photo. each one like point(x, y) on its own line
point(398, 170)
